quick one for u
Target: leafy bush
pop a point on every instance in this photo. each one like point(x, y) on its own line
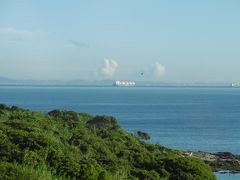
point(143, 135)
point(14, 171)
point(187, 168)
point(106, 122)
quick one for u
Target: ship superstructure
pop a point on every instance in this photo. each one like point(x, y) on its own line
point(124, 83)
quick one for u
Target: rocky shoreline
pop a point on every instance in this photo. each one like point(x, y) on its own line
point(223, 162)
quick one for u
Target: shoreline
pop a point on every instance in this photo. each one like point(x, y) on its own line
point(221, 162)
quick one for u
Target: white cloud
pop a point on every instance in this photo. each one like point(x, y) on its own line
point(159, 70)
point(17, 32)
point(109, 67)
point(77, 44)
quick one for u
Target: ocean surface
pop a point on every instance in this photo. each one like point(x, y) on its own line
point(189, 118)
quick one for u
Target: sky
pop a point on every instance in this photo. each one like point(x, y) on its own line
point(150, 40)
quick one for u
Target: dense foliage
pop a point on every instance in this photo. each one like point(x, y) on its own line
point(70, 145)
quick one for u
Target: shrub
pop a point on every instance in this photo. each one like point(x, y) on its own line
point(11, 171)
point(188, 168)
point(106, 122)
point(143, 135)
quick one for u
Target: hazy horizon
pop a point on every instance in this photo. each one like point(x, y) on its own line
point(9, 81)
point(172, 42)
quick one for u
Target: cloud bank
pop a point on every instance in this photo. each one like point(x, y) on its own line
point(109, 67)
point(159, 70)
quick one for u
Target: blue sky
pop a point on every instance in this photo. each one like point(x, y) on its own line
point(170, 41)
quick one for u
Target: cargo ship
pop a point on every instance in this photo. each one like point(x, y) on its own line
point(124, 83)
point(235, 84)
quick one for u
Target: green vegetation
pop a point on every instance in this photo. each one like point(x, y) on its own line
point(143, 135)
point(70, 145)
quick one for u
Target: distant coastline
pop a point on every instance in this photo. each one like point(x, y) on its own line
point(104, 83)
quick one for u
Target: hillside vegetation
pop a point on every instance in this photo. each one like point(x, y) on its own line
point(70, 145)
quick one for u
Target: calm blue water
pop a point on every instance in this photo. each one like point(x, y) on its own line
point(206, 119)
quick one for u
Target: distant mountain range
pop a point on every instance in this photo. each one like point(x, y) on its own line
point(8, 81)
point(106, 82)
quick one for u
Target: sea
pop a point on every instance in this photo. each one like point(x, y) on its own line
point(187, 118)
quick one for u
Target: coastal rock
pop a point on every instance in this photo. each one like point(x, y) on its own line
point(220, 161)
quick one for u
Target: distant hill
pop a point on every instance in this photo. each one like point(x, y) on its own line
point(8, 81)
